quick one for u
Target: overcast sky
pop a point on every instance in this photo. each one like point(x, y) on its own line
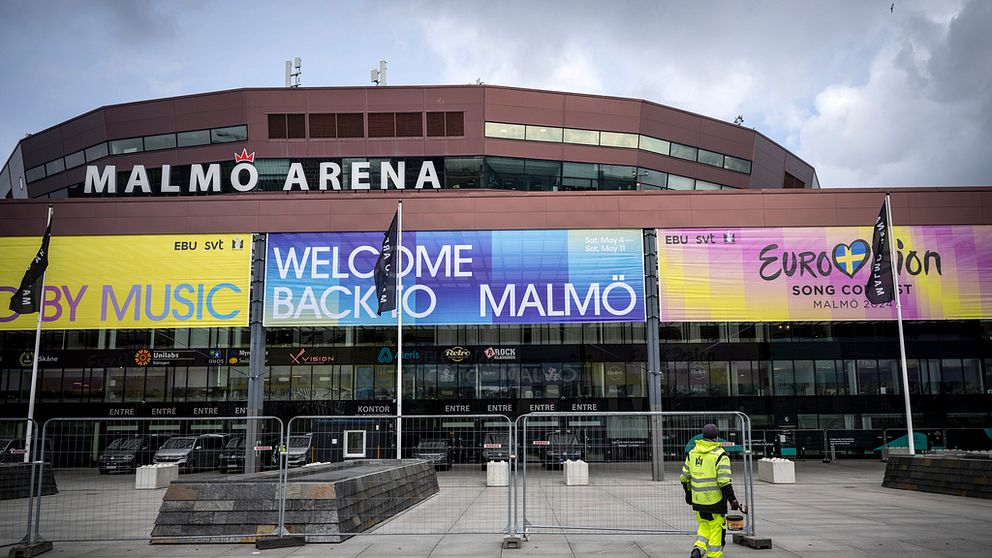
point(868, 95)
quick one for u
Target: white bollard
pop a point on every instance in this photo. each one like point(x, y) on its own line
point(149, 477)
point(776, 470)
point(576, 473)
point(497, 473)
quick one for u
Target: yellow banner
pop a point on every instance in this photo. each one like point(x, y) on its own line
point(110, 282)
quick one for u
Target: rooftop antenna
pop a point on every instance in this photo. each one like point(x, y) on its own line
point(379, 76)
point(293, 72)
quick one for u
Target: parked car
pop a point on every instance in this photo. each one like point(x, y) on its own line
point(495, 447)
point(437, 451)
point(299, 451)
point(232, 457)
point(127, 454)
point(192, 453)
point(561, 446)
point(12, 450)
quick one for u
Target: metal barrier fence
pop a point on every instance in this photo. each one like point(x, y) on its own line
point(17, 471)
point(624, 491)
point(96, 502)
point(457, 446)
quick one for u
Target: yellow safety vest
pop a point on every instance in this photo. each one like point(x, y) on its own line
point(706, 469)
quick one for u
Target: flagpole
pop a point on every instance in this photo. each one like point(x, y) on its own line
point(902, 338)
point(399, 331)
point(34, 363)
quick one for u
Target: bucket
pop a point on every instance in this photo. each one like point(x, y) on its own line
point(735, 522)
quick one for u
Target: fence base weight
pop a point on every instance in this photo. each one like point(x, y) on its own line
point(26, 550)
point(752, 541)
point(512, 541)
point(265, 543)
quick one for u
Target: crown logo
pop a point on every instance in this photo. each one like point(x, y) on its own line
point(244, 156)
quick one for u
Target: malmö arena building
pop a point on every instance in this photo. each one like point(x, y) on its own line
point(543, 232)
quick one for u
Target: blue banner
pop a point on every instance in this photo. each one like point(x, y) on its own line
point(458, 277)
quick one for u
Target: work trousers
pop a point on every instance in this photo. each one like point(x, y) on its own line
point(711, 534)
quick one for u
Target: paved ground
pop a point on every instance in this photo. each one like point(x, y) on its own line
point(836, 510)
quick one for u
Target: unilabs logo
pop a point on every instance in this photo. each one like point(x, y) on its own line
point(143, 357)
point(457, 354)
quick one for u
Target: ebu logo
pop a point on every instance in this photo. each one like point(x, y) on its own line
point(457, 354)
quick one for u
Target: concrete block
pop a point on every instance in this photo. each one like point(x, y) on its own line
point(776, 470)
point(149, 477)
point(497, 473)
point(576, 473)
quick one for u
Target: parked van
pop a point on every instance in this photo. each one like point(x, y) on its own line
point(299, 451)
point(125, 455)
point(192, 453)
point(232, 458)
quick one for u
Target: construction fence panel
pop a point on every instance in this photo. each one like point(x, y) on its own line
point(454, 497)
point(595, 472)
point(150, 478)
point(18, 468)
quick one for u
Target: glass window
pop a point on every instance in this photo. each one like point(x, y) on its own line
point(703, 185)
point(583, 137)
point(189, 139)
point(230, 133)
point(651, 179)
point(155, 383)
point(735, 164)
point(73, 160)
point(409, 124)
point(130, 145)
point(50, 384)
point(462, 172)
point(543, 133)
point(890, 377)
point(296, 127)
point(217, 383)
point(972, 374)
point(742, 378)
point(683, 152)
point(96, 152)
point(196, 383)
point(783, 378)
point(454, 123)
point(162, 141)
point(710, 158)
point(618, 139)
point(53, 167)
point(655, 145)
point(277, 126)
point(500, 130)
point(322, 125)
point(35, 173)
point(280, 382)
point(867, 377)
point(719, 378)
point(676, 182)
point(351, 125)
point(804, 377)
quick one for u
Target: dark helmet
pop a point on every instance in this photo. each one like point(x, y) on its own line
point(710, 432)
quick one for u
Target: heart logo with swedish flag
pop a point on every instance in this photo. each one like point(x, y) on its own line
point(849, 258)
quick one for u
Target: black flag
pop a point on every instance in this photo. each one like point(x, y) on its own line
point(28, 298)
point(385, 271)
point(879, 288)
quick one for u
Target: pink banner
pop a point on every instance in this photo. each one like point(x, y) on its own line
point(819, 274)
